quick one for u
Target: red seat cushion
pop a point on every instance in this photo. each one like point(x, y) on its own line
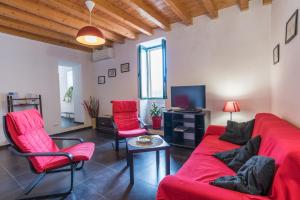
point(132, 133)
point(80, 152)
point(26, 129)
point(201, 166)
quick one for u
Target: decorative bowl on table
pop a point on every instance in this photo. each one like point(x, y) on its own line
point(145, 139)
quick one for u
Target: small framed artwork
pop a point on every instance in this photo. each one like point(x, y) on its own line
point(291, 28)
point(101, 79)
point(124, 67)
point(276, 54)
point(112, 72)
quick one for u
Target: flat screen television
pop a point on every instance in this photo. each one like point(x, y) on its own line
point(188, 97)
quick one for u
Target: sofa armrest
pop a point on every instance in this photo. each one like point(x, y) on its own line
point(172, 187)
point(215, 130)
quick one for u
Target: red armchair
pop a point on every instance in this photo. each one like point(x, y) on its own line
point(27, 137)
point(126, 121)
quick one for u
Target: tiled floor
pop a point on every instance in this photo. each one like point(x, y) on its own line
point(104, 177)
point(68, 122)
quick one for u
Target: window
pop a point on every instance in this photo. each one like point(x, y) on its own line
point(152, 70)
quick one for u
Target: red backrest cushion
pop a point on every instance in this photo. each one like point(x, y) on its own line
point(280, 141)
point(125, 115)
point(26, 129)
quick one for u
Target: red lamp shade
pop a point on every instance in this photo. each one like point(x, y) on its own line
point(231, 106)
point(90, 35)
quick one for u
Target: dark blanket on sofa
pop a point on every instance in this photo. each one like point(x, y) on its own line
point(254, 177)
point(236, 158)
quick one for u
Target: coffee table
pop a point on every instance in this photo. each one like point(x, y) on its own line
point(157, 145)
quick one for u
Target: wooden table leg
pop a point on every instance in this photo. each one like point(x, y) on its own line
point(167, 161)
point(127, 154)
point(130, 156)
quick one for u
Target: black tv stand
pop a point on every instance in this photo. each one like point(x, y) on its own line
point(188, 111)
point(179, 123)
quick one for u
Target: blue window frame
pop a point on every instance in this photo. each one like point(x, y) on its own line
point(152, 71)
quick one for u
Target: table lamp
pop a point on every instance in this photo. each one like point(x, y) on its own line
point(231, 106)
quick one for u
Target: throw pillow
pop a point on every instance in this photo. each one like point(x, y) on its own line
point(254, 177)
point(236, 158)
point(238, 133)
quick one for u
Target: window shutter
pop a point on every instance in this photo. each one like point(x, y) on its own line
point(164, 51)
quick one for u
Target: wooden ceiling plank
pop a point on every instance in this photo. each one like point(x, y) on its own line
point(83, 14)
point(244, 4)
point(19, 15)
point(211, 8)
point(122, 16)
point(266, 2)
point(31, 36)
point(179, 11)
point(10, 23)
point(151, 13)
point(51, 14)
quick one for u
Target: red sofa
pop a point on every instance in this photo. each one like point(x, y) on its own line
point(280, 141)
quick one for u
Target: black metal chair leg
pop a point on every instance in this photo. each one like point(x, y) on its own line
point(117, 142)
point(79, 168)
point(48, 196)
point(32, 185)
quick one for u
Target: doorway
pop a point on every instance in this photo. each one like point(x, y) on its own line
point(71, 111)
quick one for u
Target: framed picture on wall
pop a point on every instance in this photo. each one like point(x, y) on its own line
point(112, 72)
point(291, 28)
point(124, 67)
point(101, 79)
point(276, 54)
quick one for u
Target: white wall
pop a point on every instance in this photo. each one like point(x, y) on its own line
point(286, 74)
point(231, 55)
point(28, 66)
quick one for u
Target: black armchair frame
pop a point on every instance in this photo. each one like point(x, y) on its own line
point(70, 167)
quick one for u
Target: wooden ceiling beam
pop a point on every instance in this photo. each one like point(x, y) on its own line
point(122, 16)
point(13, 13)
point(244, 4)
point(211, 8)
point(82, 13)
point(13, 24)
point(31, 36)
point(266, 2)
point(22, 16)
point(179, 11)
point(151, 13)
point(59, 17)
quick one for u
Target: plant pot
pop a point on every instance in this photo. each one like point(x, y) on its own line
point(94, 122)
point(156, 122)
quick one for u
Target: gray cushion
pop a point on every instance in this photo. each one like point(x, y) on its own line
point(238, 133)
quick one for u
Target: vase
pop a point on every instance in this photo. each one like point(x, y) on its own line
point(94, 122)
point(156, 122)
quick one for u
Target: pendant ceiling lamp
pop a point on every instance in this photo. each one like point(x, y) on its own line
point(90, 35)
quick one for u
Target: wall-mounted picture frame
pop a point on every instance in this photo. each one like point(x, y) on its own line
point(291, 28)
point(112, 72)
point(124, 67)
point(276, 54)
point(101, 79)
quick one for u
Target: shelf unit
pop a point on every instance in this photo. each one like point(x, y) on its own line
point(193, 124)
point(24, 102)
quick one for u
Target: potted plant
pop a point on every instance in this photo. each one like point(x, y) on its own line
point(92, 107)
point(156, 114)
